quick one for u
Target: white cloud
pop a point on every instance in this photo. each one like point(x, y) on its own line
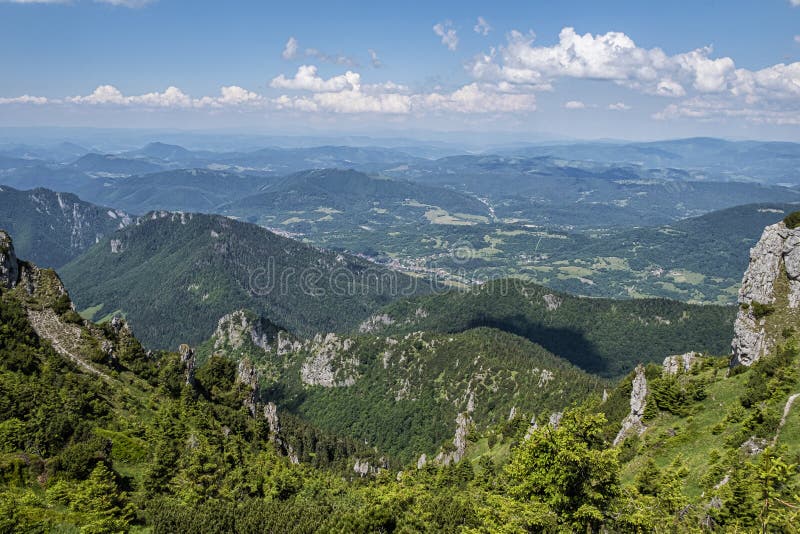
point(374, 60)
point(482, 27)
point(230, 96)
point(290, 50)
point(107, 95)
point(25, 99)
point(612, 57)
point(797, 37)
point(574, 104)
point(619, 106)
point(448, 34)
point(306, 79)
point(795, 3)
point(477, 98)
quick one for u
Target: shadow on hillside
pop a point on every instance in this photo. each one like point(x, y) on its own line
point(563, 342)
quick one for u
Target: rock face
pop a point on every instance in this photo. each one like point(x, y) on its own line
point(247, 375)
point(235, 328)
point(463, 421)
point(329, 364)
point(776, 253)
point(9, 265)
point(679, 362)
point(188, 359)
point(633, 421)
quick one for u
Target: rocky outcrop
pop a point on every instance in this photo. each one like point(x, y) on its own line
point(633, 421)
point(365, 468)
point(329, 365)
point(463, 422)
point(235, 328)
point(553, 302)
point(9, 264)
point(189, 361)
point(271, 417)
point(679, 363)
point(375, 323)
point(247, 376)
point(776, 254)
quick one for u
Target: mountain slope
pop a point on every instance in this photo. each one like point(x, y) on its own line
point(336, 200)
point(187, 190)
point(175, 275)
point(53, 228)
point(405, 395)
point(602, 336)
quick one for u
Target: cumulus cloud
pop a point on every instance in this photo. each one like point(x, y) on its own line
point(448, 34)
point(619, 106)
point(107, 95)
point(612, 57)
point(708, 84)
point(345, 93)
point(574, 104)
point(290, 49)
point(25, 99)
point(307, 79)
point(482, 27)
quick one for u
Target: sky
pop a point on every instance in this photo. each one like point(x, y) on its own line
point(533, 69)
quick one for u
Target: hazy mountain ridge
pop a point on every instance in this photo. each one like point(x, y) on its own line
point(54, 228)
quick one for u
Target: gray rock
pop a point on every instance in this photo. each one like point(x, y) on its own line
point(778, 247)
point(679, 362)
point(189, 361)
point(633, 421)
point(9, 264)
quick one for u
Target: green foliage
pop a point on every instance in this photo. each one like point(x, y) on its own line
point(570, 469)
point(792, 220)
point(606, 337)
point(761, 310)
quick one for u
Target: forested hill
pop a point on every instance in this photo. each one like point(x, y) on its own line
point(603, 336)
point(174, 275)
point(53, 228)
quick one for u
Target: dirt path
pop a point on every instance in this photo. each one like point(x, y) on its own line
point(64, 337)
point(786, 410)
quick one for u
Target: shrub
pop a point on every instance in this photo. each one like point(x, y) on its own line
point(792, 220)
point(762, 310)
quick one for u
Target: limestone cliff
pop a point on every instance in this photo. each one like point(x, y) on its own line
point(9, 264)
point(771, 284)
point(633, 421)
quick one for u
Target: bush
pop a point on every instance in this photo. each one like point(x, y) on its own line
point(762, 310)
point(792, 220)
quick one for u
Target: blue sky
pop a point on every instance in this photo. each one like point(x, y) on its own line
point(611, 69)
